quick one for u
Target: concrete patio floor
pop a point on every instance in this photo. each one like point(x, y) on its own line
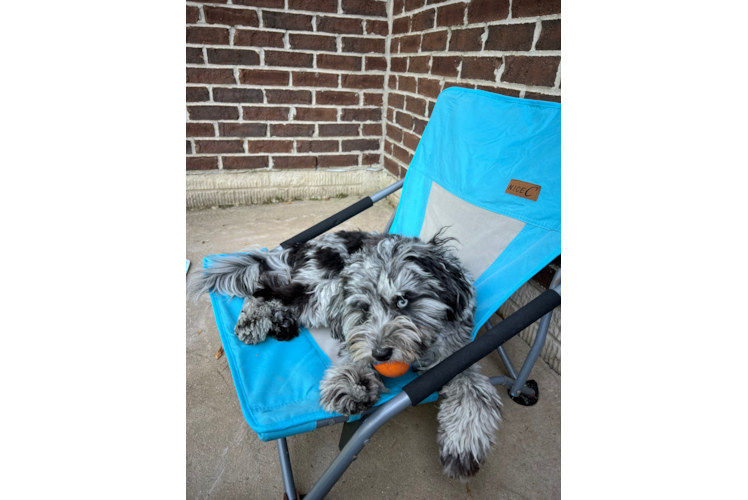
point(226, 460)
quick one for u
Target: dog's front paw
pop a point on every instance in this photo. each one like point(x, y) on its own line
point(349, 389)
point(285, 326)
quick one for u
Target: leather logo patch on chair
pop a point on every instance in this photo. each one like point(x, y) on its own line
point(523, 189)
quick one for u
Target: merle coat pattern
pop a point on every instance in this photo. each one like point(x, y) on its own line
point(384, 297)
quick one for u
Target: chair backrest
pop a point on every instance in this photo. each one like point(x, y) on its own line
point(488, 169)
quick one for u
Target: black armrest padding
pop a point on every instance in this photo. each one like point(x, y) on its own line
point(329, 223)
point(441, 374)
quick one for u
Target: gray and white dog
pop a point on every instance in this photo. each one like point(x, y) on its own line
point(385, 297)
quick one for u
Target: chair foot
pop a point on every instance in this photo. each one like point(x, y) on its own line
point(526, 400)
point(298, 497)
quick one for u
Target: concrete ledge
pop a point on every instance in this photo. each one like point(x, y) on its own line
point(260, 187)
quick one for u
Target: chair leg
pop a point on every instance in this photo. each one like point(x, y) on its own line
point(360, 439)
point(537, 346)
point(504, 356)
point(285, 462)
point(389, 222)
point(508, 382)
point(507, 362)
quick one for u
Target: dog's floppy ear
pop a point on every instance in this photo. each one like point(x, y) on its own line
point(456, 291)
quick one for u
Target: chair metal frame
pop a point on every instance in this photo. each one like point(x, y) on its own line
point(432, 380)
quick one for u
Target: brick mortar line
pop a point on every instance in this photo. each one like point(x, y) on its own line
point(272, 105)
point(536, 35)
point(487, 83)
point(482, 53)
point(266, 137)
point(433, 6)
point(356, 107)
point(263, 65)
point(359, 123)
point(372, 168)
point(285, 87)
point(249, 86)
point(289, 120)
point(263, 105)
point(285, 68)
point(366, 36)
point(288, 11)
point(536, 53)
point(335, 137)
point(310, 153)
point(318, 169)
point(508, 20)
point(290, 68)
point(290, 138)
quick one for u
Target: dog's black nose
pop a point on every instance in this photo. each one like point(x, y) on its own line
point(381, 354)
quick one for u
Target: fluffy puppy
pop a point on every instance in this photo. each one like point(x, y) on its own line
point(385, 297)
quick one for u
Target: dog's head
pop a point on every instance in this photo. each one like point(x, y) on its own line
point(397, 297)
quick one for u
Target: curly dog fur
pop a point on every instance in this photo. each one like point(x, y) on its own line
point(385, 297)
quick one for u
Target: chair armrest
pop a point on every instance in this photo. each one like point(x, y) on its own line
point(329, 223)
point(341, 216)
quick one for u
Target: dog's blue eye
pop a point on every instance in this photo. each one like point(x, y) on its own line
point(402, 303)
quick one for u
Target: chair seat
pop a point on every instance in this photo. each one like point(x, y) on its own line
point(278, 382)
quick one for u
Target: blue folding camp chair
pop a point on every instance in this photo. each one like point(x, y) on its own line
point(488, 168)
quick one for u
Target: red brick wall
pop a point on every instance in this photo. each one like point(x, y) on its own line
point(285, 83)
point(277, 84)
point(511, 47)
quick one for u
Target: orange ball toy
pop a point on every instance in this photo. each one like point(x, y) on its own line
point(392, 369)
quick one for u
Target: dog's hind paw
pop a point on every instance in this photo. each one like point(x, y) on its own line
point(285, 326)
point(260, 318)
point(469, 415)
point(349, 389)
